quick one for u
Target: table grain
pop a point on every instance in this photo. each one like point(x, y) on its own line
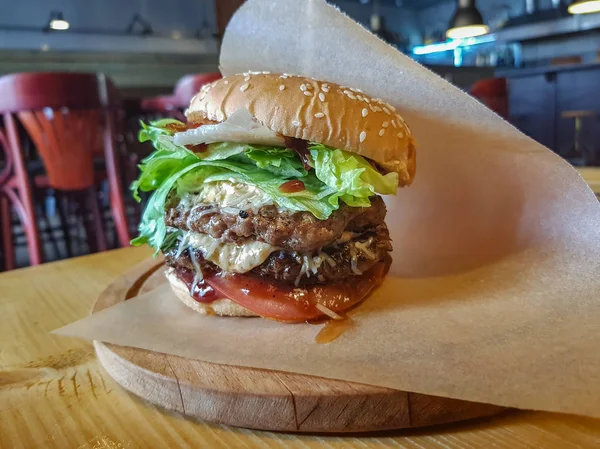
point(53, 392)
point(591, 175)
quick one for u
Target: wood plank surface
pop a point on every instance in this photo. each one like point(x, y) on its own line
point(53, 392)
point(591, 175)
point(260, 398)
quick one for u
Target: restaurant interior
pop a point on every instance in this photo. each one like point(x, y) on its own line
point(210, 236)
point(77, 77)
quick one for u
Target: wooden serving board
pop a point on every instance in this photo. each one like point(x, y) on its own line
point(262, 399)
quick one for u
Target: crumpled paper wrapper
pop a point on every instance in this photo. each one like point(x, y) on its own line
point(493, 295)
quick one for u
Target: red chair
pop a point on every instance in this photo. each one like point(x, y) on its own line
point(174, 105)
point(492, 92)
point(190, 85)
point(68, 116)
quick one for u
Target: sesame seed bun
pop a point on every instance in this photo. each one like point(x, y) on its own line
point(316, 111)
point(223, 307)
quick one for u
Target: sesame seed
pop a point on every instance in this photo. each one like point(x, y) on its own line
point(392, 108)
point(363, 136)
point(303, 87)
point(385, 124)
point(247, 78)
point(372, 108)
point(226, 82)
point(324, 88)
point(352, 96)
point(281, 87)
point(321, 96)
point(295, 123)
point(400, 135)
point(386, 110)
point(359, 97)
point(393, 123)
point(307, 93)
point(347, 92)
point(266, 73)
point(244, 87)
point(381, 132)
point(365, 112)
point(319, 115)
point(367, 99)
point(378, 109)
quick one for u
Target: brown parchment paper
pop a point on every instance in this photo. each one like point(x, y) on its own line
point(493, 295)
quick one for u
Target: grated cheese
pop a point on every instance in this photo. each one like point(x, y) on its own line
point(363, 246)
point(330, 313)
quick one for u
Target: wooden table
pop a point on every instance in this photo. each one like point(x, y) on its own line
point(591, 175)
point(53, 393)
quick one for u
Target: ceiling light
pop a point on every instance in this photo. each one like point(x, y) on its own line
point(57, 21)
point(467, 31)
point(585, 7)
point(467, 22)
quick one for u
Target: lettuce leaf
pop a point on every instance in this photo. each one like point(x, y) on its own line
point(174, 170)
point(351, 176)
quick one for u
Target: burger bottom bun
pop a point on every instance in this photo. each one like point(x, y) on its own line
point(222, 307)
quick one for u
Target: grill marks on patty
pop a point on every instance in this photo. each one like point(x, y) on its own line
point(292, 231)
point(282, 266)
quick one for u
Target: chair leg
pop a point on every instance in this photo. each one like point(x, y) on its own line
point(90, 231)
point(114, 177)
point(63, 215)
point(7, 236)
point(91, 198)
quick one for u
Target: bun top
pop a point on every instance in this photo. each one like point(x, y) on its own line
point(316, 111)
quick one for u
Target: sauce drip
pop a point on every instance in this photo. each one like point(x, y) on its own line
point(182, 127)
point(301, 147)
point(333, 329)
point(200, 148)
point(293, 186)
point(200, 290)
point(176, 127)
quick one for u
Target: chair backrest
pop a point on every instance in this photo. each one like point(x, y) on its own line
point(493, 93)
point(63, 113)
point(190, 85)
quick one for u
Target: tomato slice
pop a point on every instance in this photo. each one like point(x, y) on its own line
point(296, 304)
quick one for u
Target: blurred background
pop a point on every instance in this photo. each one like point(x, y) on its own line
point(88, 71)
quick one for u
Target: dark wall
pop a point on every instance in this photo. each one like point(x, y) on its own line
point(142, 72)
point(545, 104)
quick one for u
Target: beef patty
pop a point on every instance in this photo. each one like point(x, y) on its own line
point(335, 264)
point(292, 231)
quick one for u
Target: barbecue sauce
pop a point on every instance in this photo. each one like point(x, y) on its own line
point(293, 186)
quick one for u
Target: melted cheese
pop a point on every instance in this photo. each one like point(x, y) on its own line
point(228, 194)
point(239, 127)
point(230, 257)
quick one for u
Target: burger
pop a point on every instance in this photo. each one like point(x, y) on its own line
point(267, 201)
